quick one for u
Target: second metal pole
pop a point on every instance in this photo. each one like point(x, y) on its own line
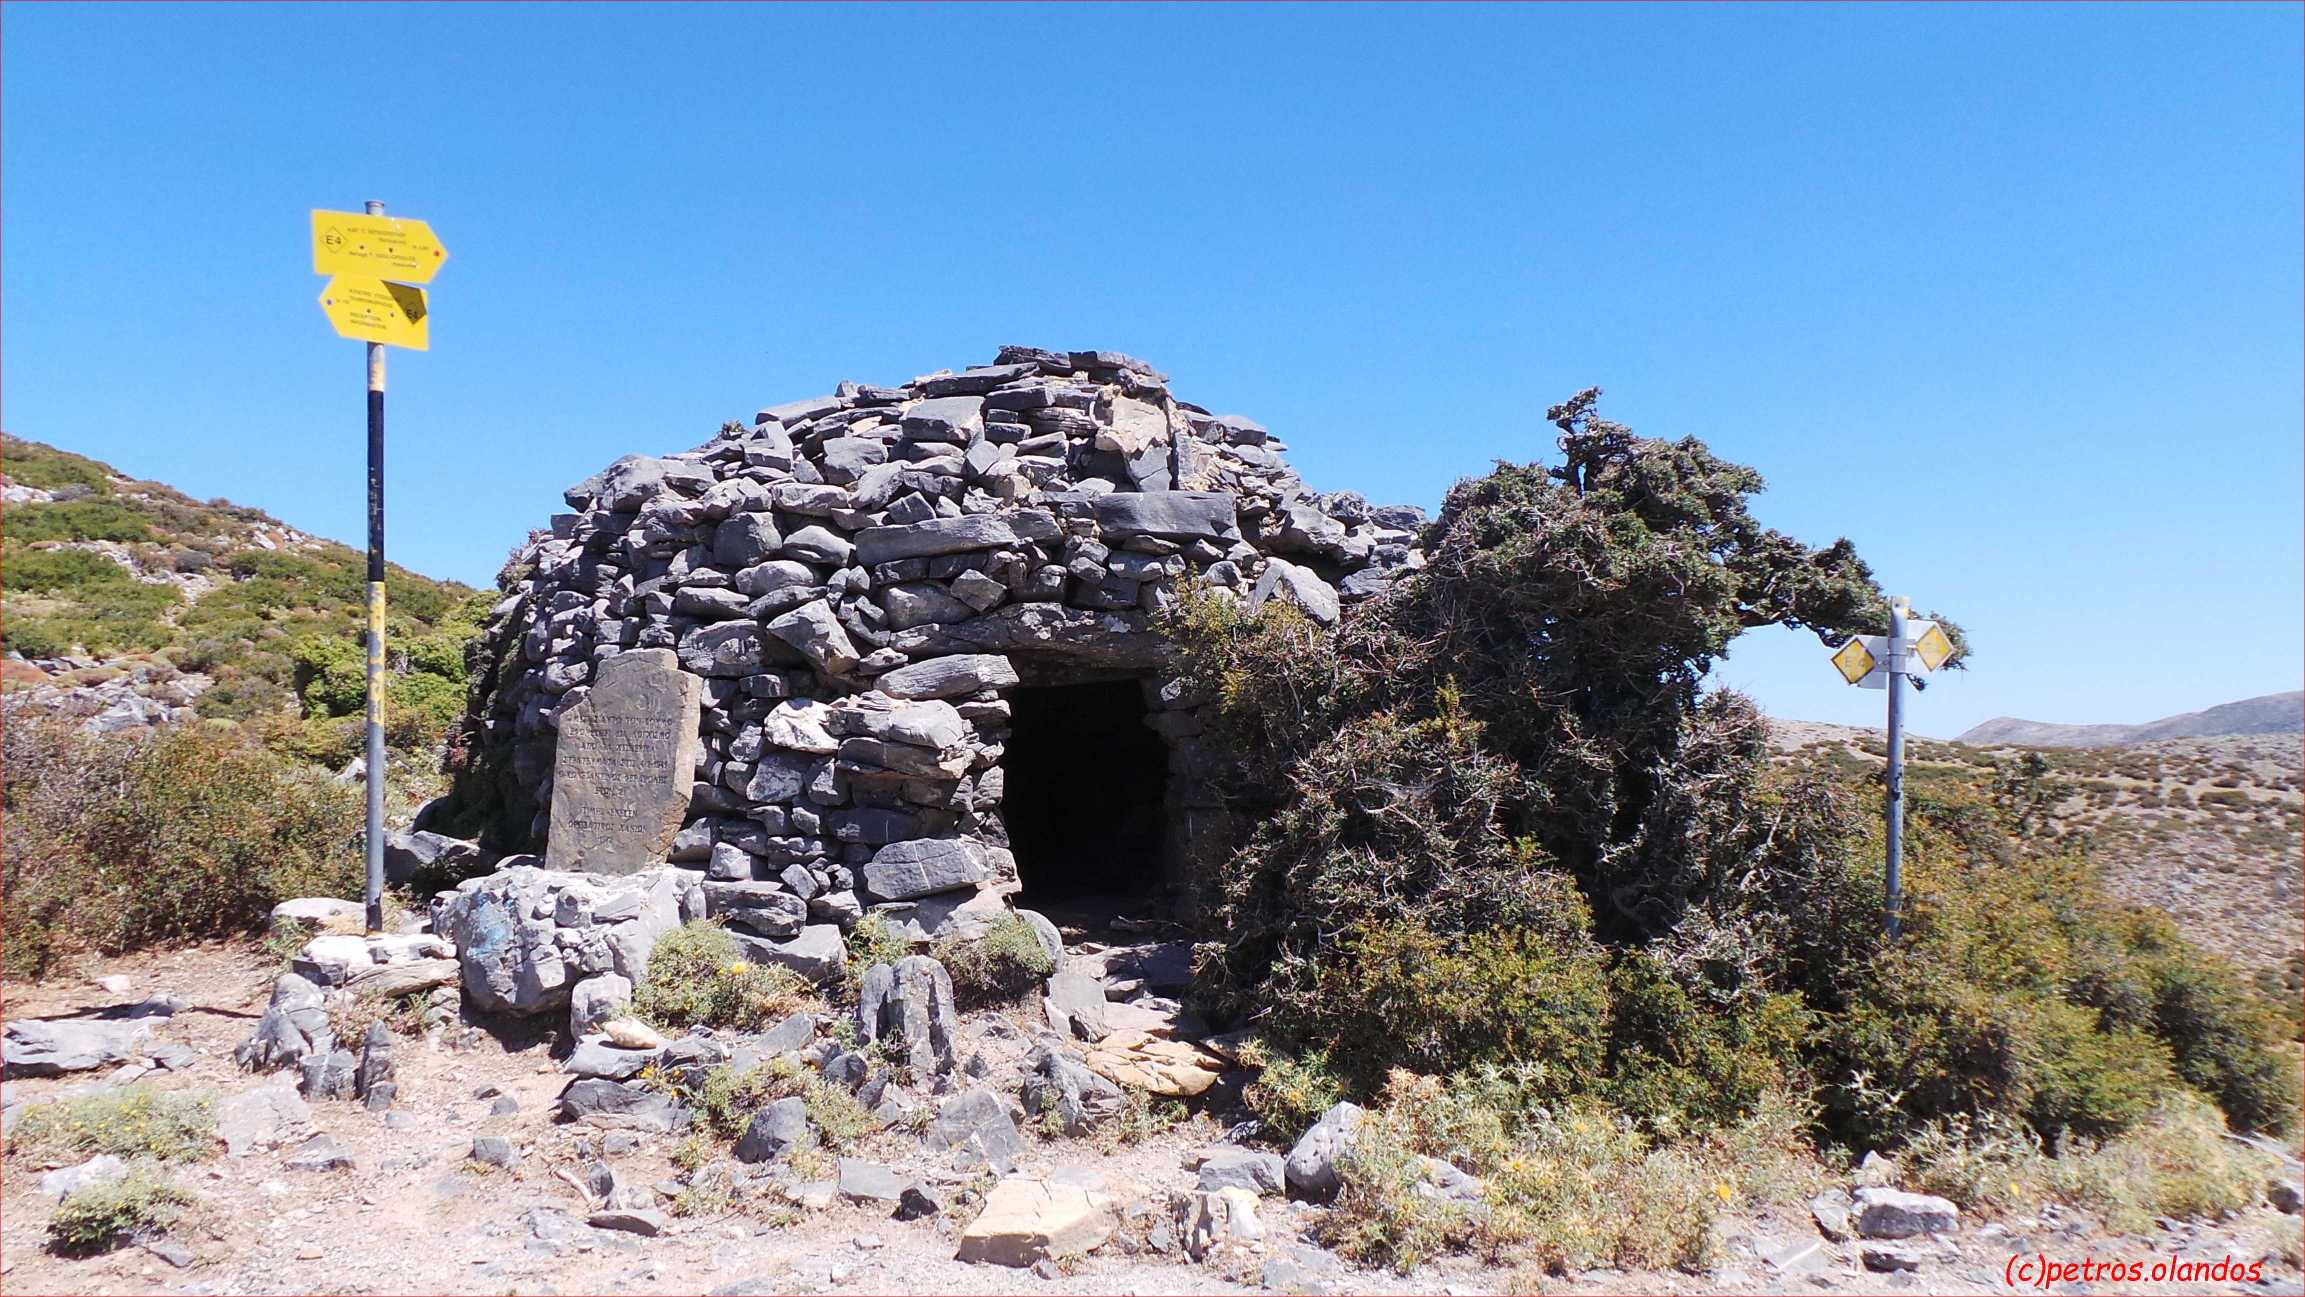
point(374, 892)
point(1895, 802)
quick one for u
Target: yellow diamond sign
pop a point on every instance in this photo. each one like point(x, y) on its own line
point(1933, 647)
point(375, 311)
point(1854, 661)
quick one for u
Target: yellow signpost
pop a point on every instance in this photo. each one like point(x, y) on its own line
point(1914, 647)
point(373, 310)
point(374, 263)
point(383, 247)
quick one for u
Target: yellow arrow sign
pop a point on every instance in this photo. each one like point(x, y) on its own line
point(1854, 661)
point(374, 311)
point(386, 247)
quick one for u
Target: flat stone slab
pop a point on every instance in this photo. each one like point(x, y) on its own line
point(53, 1047)
point(936, 536)
point(949, 677)
point(1173, 515)
point(1026, 1221)
point(624, 765)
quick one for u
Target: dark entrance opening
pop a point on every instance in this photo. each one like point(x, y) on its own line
point(1083, 782)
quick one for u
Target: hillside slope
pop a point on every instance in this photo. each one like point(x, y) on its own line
point(125, 602)
point(2208, 830)
point(2270, 714)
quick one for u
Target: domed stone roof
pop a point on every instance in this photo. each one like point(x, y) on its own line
point(865, 579)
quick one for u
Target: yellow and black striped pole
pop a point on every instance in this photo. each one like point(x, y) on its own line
point(374, 894)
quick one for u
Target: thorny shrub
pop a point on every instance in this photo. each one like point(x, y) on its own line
point(698, 977)
point(179, 834)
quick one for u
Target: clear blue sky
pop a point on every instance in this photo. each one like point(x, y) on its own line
point(2009, 296)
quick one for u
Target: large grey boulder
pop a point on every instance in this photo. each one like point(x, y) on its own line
point(907, 1007)
point(1064, 1087)
point(295, 1023)
point(813, 629)
point(776, 1132)
point(620, 1105)
point(262, 1116)
point(1299, 585)
point(1312, 1164)
point(1075, 1004)
point(945, 418)
point(744, 540)
point(595, 1000)
point(1893, 1213)
point(1240, 1168)
point(765, 909)
point(525, 936)
point(975, 1125)
point(594, 1056)
point(634, 480)
point(407, 855)
point(936, 536)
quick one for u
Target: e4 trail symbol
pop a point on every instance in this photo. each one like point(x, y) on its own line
point(382, 247)
point(1855, 660)
point(375, 311)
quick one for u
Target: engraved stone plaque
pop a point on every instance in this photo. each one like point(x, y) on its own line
point(624, 765)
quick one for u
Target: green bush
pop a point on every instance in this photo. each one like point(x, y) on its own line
point(2022, 990)
point(1407, 997)
point(1292, 1091)
point(1382, 1214)
point(1675, 1062)
point(419, 709)
point(331, 675)
point(179, 834)
point(131, 1122)
point(78, 520)
point(47, 468)
point(1000, 966)
point(1566, 1188)
point(697, 977)
point(110, 1213)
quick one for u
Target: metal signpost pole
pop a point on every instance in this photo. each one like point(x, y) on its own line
point(355, 250)
point(1895, 809)
point(375, 736)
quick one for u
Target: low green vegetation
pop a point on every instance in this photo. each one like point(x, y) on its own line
point(131, 1122)
point(1566, 1188)
point(180, 834)
point(873, 941)
point(697, 977)
point(111, 1213)
point(724, 1100)
point(2175, 1163)
point(999, 966)
point(279, 630)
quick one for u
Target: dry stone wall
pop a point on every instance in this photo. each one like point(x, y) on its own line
point(857, 580)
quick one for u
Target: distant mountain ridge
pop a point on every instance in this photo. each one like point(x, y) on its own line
point(2270, 714)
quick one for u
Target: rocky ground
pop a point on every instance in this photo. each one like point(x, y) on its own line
point(409, 1209)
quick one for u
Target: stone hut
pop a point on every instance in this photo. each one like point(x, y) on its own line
point(923, 626)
